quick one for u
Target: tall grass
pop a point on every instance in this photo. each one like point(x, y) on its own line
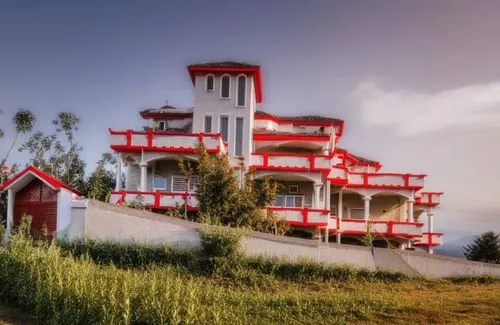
point(62, 289)
point(220, 254)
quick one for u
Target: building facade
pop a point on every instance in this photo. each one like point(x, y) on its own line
point(327, 191)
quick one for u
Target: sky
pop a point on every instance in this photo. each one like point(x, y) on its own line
point(417, 82)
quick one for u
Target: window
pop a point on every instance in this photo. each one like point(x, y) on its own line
point(159, 183)
point(293, 189)
point(289, 201)
point(242, 85)
point(209, 83)
point(238, 145)
point(225, 83)
point(208, 124)
point(193, 181)
point(178, 184)
point(224, 127)
point(162, 125)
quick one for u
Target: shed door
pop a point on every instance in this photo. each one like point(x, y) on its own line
point(39, 201)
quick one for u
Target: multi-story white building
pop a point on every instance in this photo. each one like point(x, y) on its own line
point(328, 191)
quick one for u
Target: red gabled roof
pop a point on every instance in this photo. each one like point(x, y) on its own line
point(230, 67)
point(55, 183)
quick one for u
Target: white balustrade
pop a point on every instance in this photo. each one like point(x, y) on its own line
point(322, 162)
point(290, 215)
point(288, 161)
point(353, 225)
point(317, 217)
point(392, 180)
point(407, 228)
point(139, 140)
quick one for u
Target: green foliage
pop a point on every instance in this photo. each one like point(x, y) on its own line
point(23, 123)
point(368, 238)
point(485, 248)
point(62, 288)
point(58, 153)
point(221, 242)
point(223, 201)
point(138, 203)
point(102, 181)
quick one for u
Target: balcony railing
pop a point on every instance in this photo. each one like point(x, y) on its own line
point(431, 239)
point(341, 176)
point(155, 200)
point(291, 162)
point(302, 216)
point(428, 198)
point(164, 141)
point(378, 227)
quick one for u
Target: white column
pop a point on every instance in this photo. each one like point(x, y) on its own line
point(327, 207)
point(340, 213)
point(367, 207)
point(367, 212)
point(410, 210)
point(144, 177)
point(317, 188)
point(118, 185)
point(430, 229)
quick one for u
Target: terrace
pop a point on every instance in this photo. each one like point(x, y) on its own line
point(134, 141)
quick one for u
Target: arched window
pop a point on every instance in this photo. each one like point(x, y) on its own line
point(209, 83)
point(242, 86)
point(225, 83)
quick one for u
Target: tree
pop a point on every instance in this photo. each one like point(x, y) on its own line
point(23, 123)
point(187, 171)
point(485, 248)
point(223, 201)
point(102, 181)
point(58, 153)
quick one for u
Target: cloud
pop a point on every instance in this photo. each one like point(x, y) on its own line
point(410, 113)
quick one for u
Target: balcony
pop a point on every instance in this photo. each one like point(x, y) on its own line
point(380, 228)
point(304, 217)
point(291, 162)
point(430, 239)
point(155, 200)
point(341, 176)
point(164, 141)
point(428, 198)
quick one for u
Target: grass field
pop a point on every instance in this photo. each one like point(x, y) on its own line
point(416, 303)
point(61, 289)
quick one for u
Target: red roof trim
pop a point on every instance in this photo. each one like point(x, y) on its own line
point(255, 72)
point(51, 180)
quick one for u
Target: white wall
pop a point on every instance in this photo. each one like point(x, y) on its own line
point(210, 103)
point(63, 210)
point(107, 222)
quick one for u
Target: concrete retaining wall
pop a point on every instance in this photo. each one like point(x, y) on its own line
point(108, 222)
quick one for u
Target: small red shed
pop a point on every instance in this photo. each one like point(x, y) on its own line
point(41, 195)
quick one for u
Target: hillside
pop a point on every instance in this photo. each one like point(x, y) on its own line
point(455, 248)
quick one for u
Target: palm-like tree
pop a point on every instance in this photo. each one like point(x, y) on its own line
point(23, 121)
